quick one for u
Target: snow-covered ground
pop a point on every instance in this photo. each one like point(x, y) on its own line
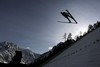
point(84, 53)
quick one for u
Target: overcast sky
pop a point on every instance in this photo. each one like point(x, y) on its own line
point(33, 24)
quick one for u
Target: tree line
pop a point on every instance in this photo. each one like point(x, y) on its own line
point(62, 46)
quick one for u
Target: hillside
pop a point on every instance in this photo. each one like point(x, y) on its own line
point(83, 53)
point(73, 52)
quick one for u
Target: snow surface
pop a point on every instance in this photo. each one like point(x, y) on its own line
point(84, 53)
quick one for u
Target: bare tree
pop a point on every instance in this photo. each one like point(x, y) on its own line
point(69, 36)
point(90, 28)
point(65, 36)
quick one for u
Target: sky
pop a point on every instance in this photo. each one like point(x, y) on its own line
point(32, 24)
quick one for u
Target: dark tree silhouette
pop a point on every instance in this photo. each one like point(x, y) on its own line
point(98, 23)
point(95, 26)
point(90, 28)
point(17, 58)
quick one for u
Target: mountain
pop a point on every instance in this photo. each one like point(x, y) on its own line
point(7, 52)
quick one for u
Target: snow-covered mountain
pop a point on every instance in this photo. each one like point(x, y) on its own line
point(83, 53)
point(7, 52)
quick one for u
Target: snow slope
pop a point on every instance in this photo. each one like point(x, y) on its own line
point(84, 53)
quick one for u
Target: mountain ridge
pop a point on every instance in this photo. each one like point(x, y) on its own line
point(7, 52)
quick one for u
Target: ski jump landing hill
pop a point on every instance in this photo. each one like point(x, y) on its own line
point(84, 53)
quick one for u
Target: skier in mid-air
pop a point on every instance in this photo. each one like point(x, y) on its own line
point(68, 16)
